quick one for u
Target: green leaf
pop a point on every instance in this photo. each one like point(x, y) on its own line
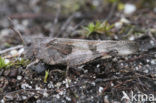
point(91, 27)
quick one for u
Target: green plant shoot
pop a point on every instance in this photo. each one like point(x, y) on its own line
point(46, 76)
point(2, 63)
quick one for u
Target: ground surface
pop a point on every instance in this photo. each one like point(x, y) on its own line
point(110, 80)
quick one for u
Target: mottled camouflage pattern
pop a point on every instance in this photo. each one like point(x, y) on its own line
point(73, 52)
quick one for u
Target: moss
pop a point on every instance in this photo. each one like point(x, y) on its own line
point(22, 62)
point(15, 64)
point(3, 64)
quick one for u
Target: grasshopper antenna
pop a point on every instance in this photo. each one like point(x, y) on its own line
point(16, 31)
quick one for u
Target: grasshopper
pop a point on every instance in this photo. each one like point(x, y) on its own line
point(74, 52)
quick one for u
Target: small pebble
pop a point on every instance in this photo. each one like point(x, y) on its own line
point(112, 84)
point(9, 97)
point(147, 60)
point(93, 83)
point(106, 99)
point(25, 86)
point(124, 20)
point(98, 65)
point(121, 64)
point(7, 61)
point(131, 38)
point(68, 99)
point(19, 58)
point(21, 51)
point(66, 82)
point(118, 25)
point(58, 84)
point(153, 61)
point(85, 71)
point(19, 77)
point(38, 101)
point(2, 101)
point(58, 96)
point(61, 92)
point(146, 71)
point(129, 9)
point(25, 23)
point(96, 2)
point(92, 97)
point(37, 87)
point(45, 94)
point(100, 89)
point(50, 85)
point(24, 97)
point(136, 68)
point(13, 52)
point(4, 32)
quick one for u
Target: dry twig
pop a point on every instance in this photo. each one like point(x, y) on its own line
point(9, 49)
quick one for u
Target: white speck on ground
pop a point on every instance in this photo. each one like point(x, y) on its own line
point(146, 71)
point(25, 23)
point(153, 61)
point(106, 99)
point(112, 84)
point(124, 20)
point(68, 98)
point(19, 77)
point(136, 68)
point(2, 101)
point(58, 84)
point(61, 92)
point(21, 51)
point(45, 94)
point(93, 83)
point(57, 96)
point(118, 25)
point(96, 3)
point(147, 60)
point(152, 42)
point(129, 9)
point(4, 32)
point(50, 85)
point(98, 65)
point(13, 52)
point(25, 86)
point(67, 81)
point(37, 87)
point(100, 89)
point(131, 38)
point(24, 97)
point(85, 71)
point(6, 61)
